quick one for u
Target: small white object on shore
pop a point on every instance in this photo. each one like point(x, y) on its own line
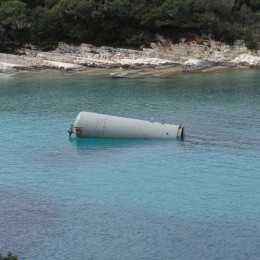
point(118, 74)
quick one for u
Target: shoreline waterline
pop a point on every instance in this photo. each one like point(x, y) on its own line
point(160, 71)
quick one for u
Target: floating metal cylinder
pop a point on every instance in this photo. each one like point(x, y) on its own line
point(106, 126)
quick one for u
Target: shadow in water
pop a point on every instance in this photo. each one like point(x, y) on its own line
point(109, 143)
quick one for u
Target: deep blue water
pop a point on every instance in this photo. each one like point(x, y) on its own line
point(63, 198)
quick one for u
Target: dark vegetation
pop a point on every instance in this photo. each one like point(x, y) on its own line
point(126, 23)
point(9, 256)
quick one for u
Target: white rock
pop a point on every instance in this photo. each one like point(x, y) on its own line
point(247, 58)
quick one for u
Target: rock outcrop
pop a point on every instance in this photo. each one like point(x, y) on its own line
point(189, 55)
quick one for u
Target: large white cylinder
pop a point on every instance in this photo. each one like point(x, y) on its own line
point(105, 126)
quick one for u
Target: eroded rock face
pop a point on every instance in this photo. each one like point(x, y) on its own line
point(190, 55)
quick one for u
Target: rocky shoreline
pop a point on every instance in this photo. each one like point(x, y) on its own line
point(165, 58)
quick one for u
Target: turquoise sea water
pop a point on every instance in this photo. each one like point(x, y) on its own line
point(63, 198)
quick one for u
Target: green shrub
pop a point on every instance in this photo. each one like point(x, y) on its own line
point(251, 44)
point(9, 256)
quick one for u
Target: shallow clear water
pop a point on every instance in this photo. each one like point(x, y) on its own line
point(63, 198)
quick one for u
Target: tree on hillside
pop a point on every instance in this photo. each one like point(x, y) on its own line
point(253, 4)
point(126, 23)
point(13, 17)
